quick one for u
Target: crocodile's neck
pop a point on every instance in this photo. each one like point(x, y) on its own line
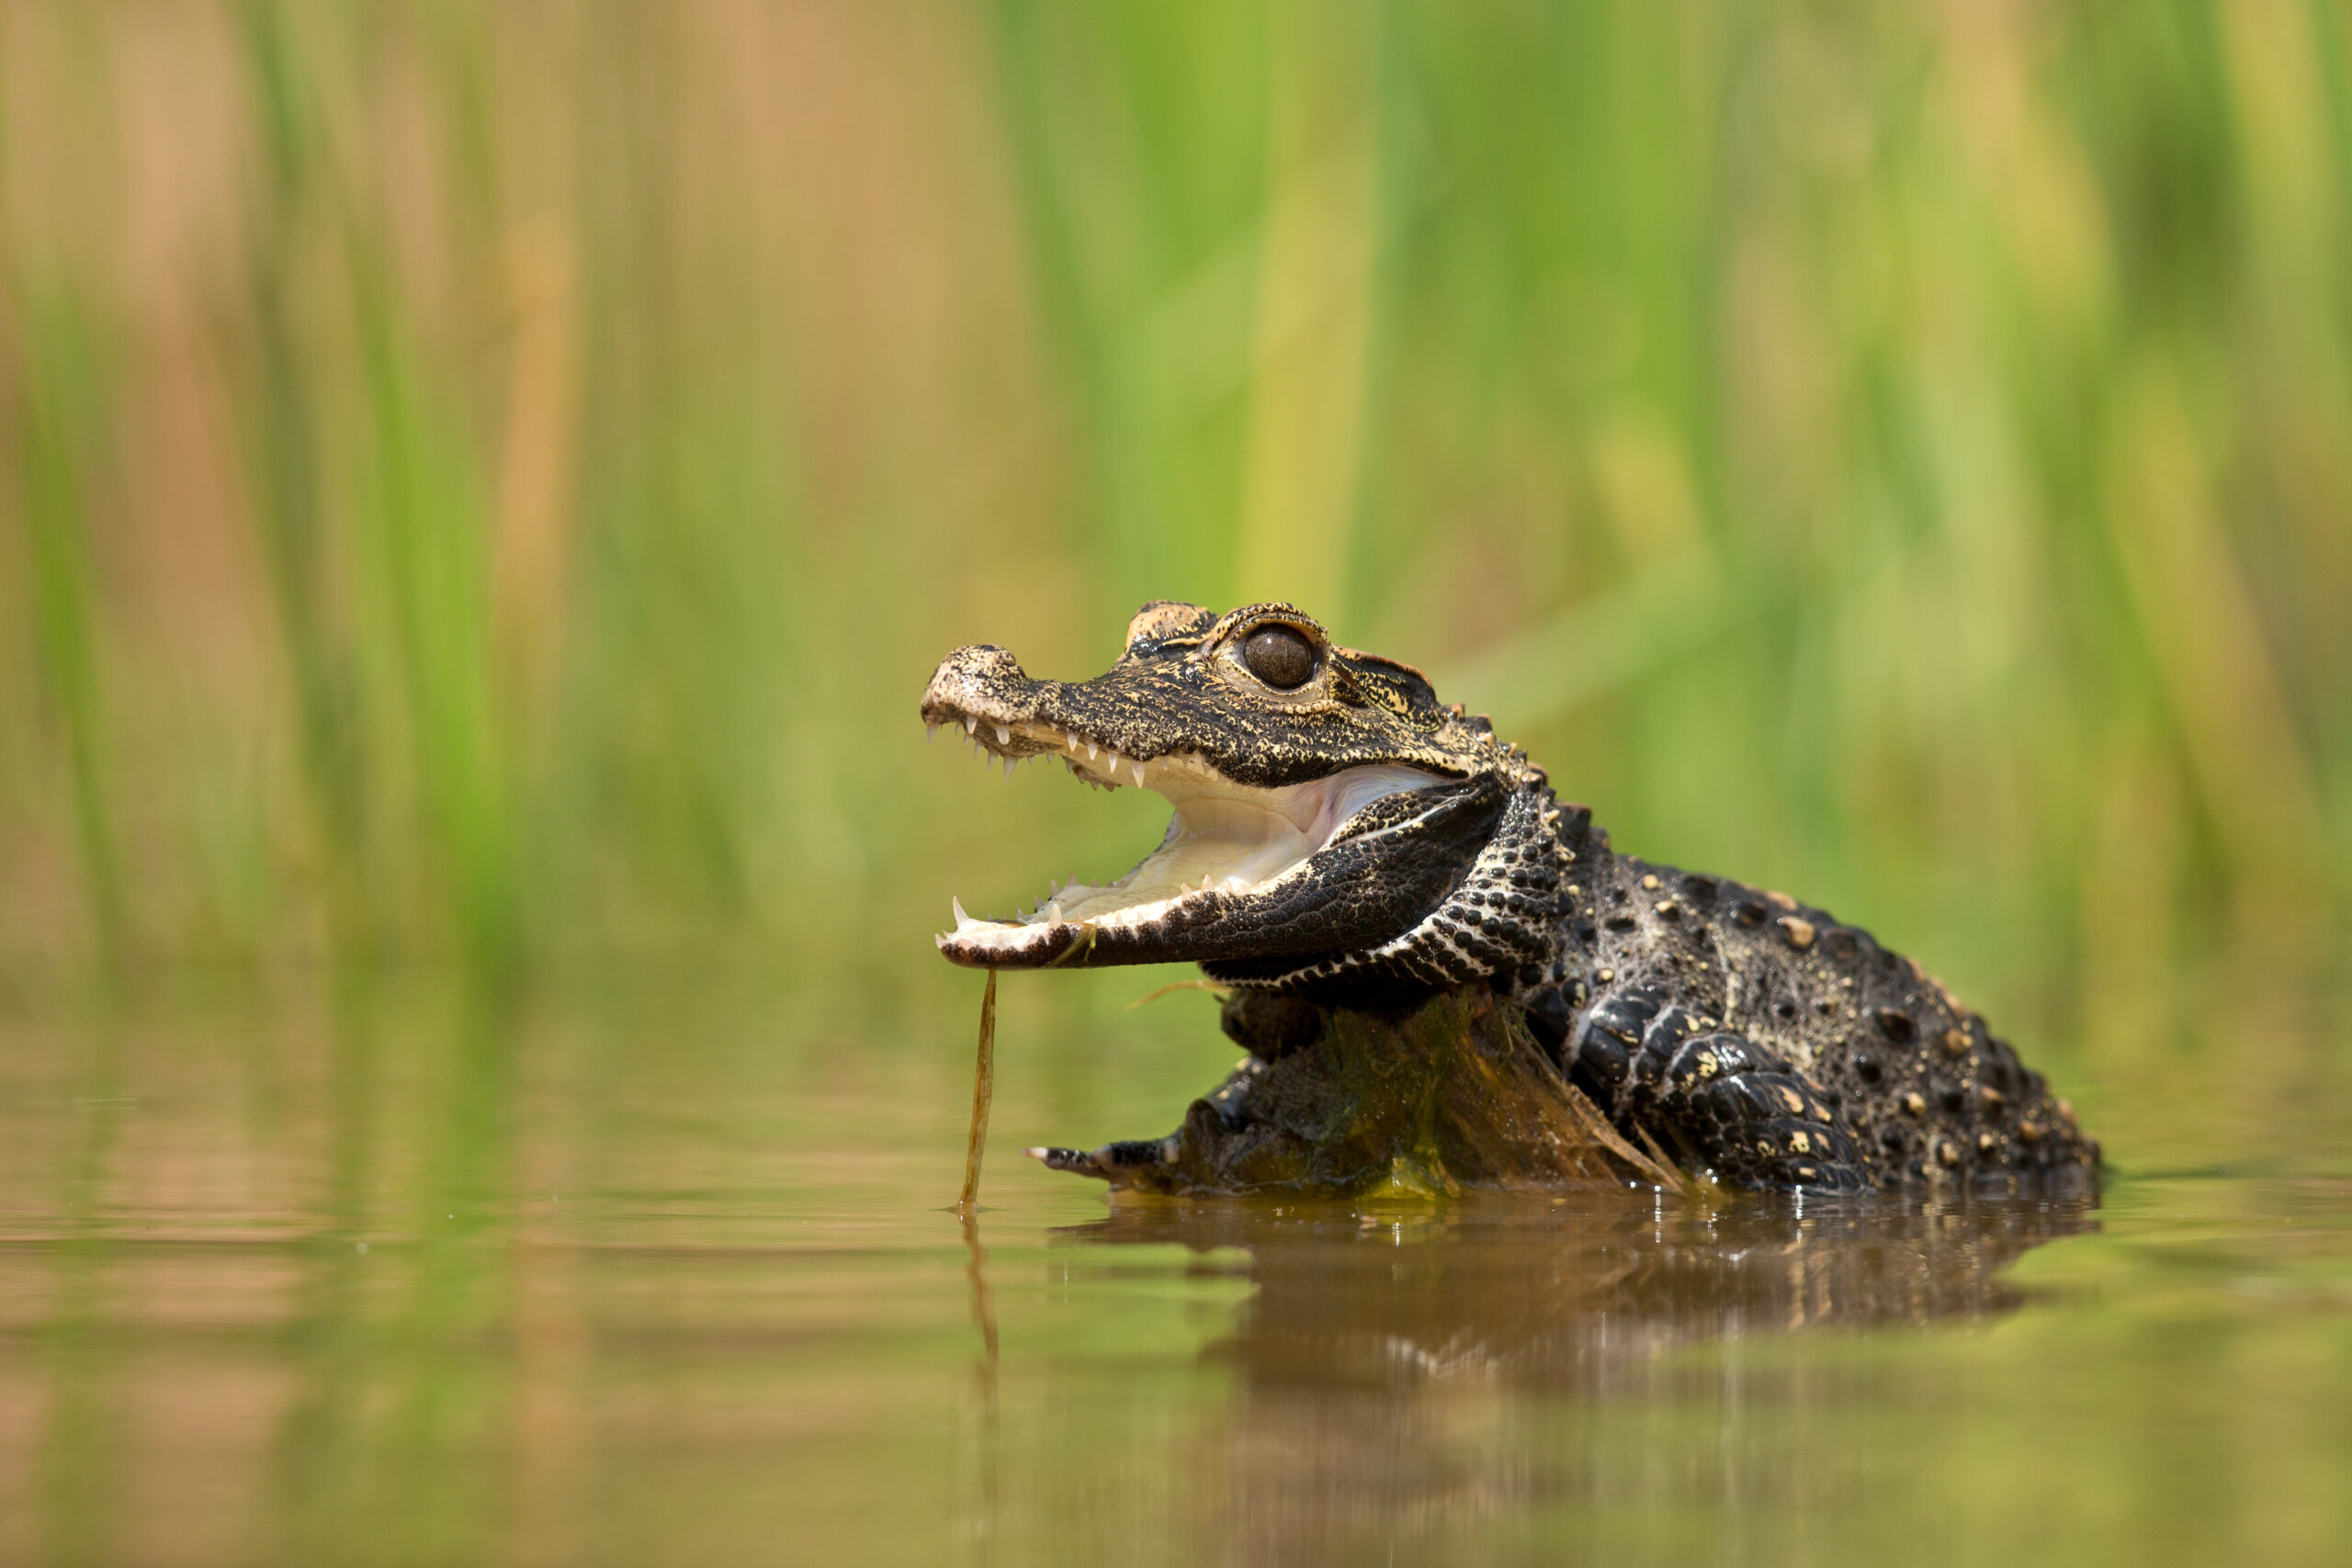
point(1509, 921)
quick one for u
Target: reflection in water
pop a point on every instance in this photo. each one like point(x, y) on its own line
point(988, 1447)
point(1387, 1360)
point(1572, 1293)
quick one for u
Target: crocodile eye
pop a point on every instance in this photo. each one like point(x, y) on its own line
point(1279, 657)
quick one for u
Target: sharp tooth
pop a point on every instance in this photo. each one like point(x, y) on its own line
point(931, 733)
point(971, 726)
point(1139, 775)
point(1003, 736)
point(1054, 911)
point(962, 919)
point(1070, 740)
point(1090, 751)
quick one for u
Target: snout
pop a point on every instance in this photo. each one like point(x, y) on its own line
point(981, 682)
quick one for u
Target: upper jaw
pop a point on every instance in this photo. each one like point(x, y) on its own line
point(983, 692)
point(1021, 739)
point(1108, 740)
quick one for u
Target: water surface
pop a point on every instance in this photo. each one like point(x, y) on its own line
point(438, 1284)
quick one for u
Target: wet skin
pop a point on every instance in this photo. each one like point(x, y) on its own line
point(1353, 859)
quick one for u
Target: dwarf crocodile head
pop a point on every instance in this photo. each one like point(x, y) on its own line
point(1334, 824)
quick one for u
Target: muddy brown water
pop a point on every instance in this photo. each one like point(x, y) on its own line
point(411, 1283)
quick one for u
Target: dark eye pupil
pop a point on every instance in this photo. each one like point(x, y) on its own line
point(1279, 657)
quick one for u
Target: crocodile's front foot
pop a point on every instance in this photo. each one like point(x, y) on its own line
point(1137, 1162)
point(1453, 1094)
point(1246, 1136)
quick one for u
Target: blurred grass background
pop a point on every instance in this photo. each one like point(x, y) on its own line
point(484, 486)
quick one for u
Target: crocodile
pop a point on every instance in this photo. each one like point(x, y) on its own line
point(1345, 845)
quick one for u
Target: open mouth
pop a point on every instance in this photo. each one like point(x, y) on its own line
point(1226, 839)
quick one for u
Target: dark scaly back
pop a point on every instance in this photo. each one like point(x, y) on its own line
point(1927, 1089)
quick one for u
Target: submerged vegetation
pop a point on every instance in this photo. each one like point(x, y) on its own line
point(487, 484)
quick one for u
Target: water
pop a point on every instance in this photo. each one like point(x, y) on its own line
point(669, 1278)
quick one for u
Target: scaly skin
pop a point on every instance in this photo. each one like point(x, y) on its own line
point(1733, 1029)
point(1763, 1038)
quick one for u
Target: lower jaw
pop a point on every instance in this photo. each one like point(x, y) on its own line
point(1237, 841)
